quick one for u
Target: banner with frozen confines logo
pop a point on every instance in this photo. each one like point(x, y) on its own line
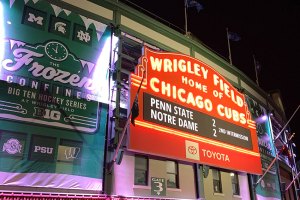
point(188, 111)
point(54, 91)
point(269, 186)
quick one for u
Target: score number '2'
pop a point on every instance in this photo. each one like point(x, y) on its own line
point(214, 128)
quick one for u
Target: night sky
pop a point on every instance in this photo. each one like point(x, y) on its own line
point(269, 30)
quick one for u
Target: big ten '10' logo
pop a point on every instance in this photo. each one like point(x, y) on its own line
point(47, 113)
point(43, 150)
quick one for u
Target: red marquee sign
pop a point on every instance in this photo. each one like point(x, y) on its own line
point(188, 111)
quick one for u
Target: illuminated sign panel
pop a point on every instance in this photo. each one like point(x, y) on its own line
point(188, 111)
